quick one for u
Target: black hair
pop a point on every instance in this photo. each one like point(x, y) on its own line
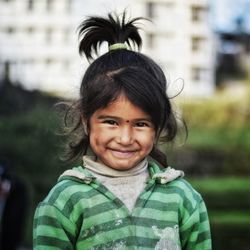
point(120, 71)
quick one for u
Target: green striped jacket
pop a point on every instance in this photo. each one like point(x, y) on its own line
point(80, 213)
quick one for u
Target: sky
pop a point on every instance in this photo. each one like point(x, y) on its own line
point(226, 12)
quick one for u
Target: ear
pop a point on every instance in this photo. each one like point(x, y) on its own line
point(85, 125)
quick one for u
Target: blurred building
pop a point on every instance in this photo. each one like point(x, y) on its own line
point(181, 38)
point(38, 42)
point(37, 45)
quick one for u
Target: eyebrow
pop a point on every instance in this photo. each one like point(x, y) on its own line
point(101, 117)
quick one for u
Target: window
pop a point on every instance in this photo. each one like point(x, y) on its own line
point(10, 30)
point(30, 6)
point(48, 61)
point(30, 30)
point(49, 5)
point(49, 33)
point(198, 13)
point(197, 43)
point(198, 74)
point(150, 9)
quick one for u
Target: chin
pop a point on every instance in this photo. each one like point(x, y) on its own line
point(122, 167)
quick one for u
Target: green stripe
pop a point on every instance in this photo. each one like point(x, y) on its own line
point(64, 192)
point(172, 196)
point(49, 215)
point(79, 201)
point(147, 214)
point(162, 206)
point(52, 226)
point(203, 236)
point(203, 216)
point(203, 226)
point(49, 231)
point(113, 236)
point(104, 227)
point(205, 245)
point(149, 222)
point(101, 208)
point(130, 242)
point(180, 188)
point(146, 242)
point(47, 242)
point(47, 248)
point(189, 192)
point(143, 228)
point(160, 195)
point(46, 220)
point(191, 220)
point(104, 217)
point(148, 232)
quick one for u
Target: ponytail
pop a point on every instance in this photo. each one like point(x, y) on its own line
point(96, 30)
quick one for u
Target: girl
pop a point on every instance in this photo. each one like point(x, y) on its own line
point(123, 196)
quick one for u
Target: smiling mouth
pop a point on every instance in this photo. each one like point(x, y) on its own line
point(122, 154)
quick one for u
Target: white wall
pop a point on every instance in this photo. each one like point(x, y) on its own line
point(42, 47)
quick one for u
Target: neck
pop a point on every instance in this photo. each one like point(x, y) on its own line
point(101, 169)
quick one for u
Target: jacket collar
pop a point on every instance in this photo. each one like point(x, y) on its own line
point(159, 175)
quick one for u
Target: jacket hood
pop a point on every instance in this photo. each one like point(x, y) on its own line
point(162, 176)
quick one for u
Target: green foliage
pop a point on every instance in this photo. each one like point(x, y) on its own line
point(29, 142)
point(219, 135)
point(221, 184)
point(230, 236)
point(218, 193)
point(220, 111)
point(226, 138)
point(231, 218)
point(228, 204)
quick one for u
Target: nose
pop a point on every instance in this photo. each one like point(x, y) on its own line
point(125, 136)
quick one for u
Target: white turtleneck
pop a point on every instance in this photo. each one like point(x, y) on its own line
point(126, 185)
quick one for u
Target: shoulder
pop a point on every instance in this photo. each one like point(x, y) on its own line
point(68, 189)
point(184, 187)
point(180, 192)
point(171, 181)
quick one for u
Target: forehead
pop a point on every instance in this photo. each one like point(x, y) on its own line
point(123, 108)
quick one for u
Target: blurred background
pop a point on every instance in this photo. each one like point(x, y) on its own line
point(203, 47)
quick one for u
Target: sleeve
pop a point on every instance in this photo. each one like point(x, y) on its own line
point(52, 230)
point(195, 230)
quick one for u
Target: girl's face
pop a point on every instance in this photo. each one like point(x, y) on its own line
point(121, 135)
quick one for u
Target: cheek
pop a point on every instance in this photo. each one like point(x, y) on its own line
point(93, 136)
point(151, 143)
point(98, 138)
point(148, 141)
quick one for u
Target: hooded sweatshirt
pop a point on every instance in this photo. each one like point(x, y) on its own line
point(81, 213)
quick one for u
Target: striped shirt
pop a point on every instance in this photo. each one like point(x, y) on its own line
point(80, 213)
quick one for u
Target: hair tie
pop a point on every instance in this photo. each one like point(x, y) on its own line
point(116, 46)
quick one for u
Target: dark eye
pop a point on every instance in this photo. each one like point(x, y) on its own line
point(110, 122)
point(142, 124)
